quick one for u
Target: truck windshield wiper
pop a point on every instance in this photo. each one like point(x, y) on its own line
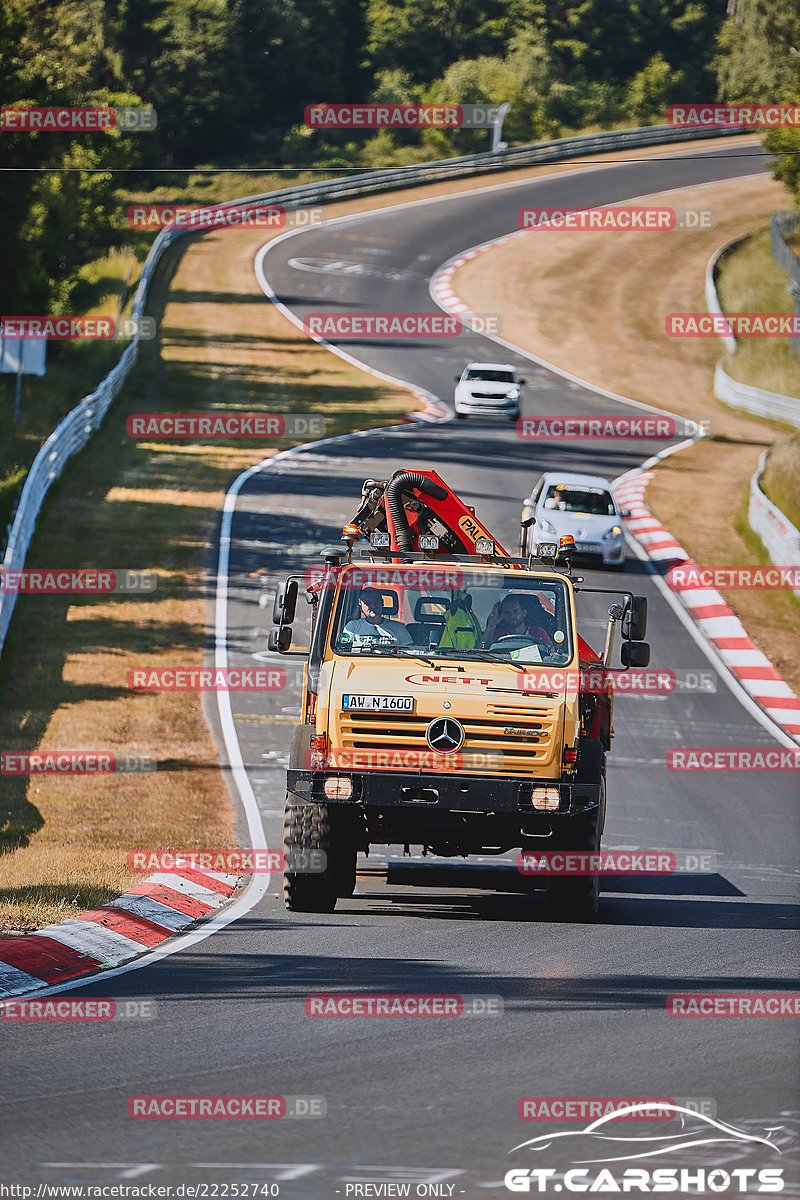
point(403, 650)
point(475, 656)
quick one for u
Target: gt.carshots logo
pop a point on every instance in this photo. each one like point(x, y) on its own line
point(590, 1147)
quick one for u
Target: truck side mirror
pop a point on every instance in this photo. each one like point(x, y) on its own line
point(283, 609)
point(635, 654)
point(280, 639)
point(634, 621)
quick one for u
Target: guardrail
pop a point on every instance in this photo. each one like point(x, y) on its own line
point(73, 432)
point(772, 405)
point(780, 537)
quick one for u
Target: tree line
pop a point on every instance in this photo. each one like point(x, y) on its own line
point(230, 79)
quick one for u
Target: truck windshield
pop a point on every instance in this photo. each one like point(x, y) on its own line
point(510, 617)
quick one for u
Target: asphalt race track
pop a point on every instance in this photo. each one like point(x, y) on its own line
point(584, 1007)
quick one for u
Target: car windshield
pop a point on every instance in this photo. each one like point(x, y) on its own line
point(451, 611)
point(491, 376)
point(593, 500)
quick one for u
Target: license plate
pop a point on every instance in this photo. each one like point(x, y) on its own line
point(585, 547)
point(378, 703)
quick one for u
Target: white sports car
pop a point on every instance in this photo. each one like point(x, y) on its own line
point(583, 505)
point(488, 389)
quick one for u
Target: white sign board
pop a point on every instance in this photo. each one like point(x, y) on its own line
point(22, 356)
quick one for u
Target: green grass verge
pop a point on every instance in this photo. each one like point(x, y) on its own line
point(781, 478)
point(749, 280)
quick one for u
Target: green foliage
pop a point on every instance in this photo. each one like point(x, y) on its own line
point(230, 79)
point(759, 60)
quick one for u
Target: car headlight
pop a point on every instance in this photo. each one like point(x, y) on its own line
point(612, 534)
point(512, 393)
point(546, 526)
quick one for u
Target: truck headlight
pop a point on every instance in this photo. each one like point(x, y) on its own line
point(513, 393)
point(547, 526)
point(546, 799)
point(612, 534)
point(339, 787)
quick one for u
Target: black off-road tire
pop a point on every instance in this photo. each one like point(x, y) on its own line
point(576, 898)
point(344, 869)
point(307, 828)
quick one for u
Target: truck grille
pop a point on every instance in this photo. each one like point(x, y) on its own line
point(523, 753)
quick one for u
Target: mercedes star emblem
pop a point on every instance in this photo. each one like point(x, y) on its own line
point(445, 735)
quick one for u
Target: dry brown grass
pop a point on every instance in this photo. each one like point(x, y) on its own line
point(148, 505)
point(611, 332)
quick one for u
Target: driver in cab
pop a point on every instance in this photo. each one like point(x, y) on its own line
point(512, 617)
point(372, 627)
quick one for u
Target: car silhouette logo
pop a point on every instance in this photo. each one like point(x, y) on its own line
point(445, 735)
point(606, 1137)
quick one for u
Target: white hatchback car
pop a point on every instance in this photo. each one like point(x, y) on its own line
point(583, 505)
point(488, 389)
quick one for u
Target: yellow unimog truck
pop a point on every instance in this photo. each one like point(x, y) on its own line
point(445, 698)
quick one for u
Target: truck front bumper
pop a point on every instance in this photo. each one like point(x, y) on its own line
point(489, 795)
